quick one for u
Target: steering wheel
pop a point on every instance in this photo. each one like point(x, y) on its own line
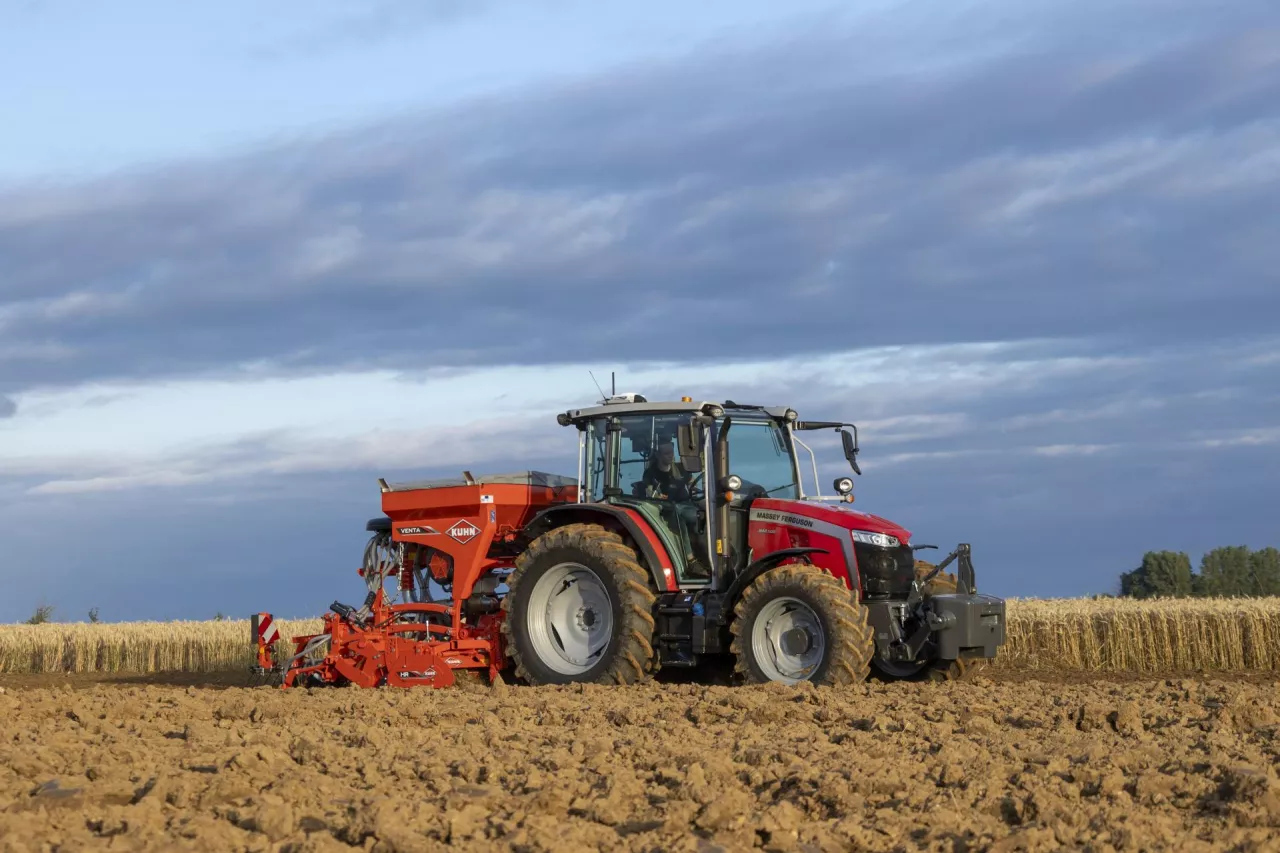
point(695, 486)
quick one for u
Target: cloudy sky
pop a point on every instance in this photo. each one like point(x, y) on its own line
point(252, 258)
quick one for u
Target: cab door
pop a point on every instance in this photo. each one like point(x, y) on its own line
point(640, 464)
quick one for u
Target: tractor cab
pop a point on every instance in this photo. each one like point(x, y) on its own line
point(693, 470)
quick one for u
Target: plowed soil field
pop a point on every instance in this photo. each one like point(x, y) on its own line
point(996, 764)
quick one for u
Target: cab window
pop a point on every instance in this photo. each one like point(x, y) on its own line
point(760, 455)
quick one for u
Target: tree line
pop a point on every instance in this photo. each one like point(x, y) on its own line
point(1232, 571)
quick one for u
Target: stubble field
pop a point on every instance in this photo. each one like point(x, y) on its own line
point(1044, 635)
point(1130, 728)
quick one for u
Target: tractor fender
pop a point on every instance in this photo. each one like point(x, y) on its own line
point(653, 554)
point(759, 567)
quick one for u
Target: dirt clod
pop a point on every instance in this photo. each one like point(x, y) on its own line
point(998, 765)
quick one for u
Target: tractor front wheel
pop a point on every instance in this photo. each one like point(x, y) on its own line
point(798, 622)
point(579, 609)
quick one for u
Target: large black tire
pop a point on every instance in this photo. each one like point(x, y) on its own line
point(847, 639)
point(620, 605)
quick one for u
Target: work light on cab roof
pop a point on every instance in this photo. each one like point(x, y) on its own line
point(687, 532)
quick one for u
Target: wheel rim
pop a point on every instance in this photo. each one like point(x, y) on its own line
point(570, 618)
point(788, 641)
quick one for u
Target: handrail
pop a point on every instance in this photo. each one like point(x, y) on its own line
point(814, 459)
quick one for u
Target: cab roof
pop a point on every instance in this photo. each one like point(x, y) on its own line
point(636, 404)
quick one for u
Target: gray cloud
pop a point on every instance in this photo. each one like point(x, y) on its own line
point(1121, 192)
point(8, 408)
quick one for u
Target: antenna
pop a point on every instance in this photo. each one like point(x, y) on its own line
point(614, 375)
point(598, 388)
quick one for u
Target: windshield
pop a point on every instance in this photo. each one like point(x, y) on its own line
point(643, 440)
point(758, 453)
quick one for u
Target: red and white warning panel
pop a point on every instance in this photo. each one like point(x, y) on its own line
point(264, 628)
point(265, 634)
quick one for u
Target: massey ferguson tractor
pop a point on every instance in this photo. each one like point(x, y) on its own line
point(686, 534)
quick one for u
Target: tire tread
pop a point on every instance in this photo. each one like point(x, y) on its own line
point(635, 660)
point(854, 642)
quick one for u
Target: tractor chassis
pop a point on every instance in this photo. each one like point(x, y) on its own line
point(690, 624)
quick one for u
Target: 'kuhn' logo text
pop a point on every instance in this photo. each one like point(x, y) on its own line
point(464, 531)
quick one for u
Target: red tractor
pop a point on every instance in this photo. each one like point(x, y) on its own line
point(687, 533)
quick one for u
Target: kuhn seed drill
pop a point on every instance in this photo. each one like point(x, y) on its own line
point(643, 561)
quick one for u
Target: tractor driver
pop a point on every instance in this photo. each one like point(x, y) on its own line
point(665, 479)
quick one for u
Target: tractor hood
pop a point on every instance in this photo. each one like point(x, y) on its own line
point(842, 515)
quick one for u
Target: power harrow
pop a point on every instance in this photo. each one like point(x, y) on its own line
point(464, 536)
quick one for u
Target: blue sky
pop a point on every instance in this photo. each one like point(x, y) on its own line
point(100, 86)
point(252, 259)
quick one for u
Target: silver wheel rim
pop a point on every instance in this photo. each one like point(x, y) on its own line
point(787, 640)
point(570, 618)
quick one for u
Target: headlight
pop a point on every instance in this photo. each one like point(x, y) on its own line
point(879, 540)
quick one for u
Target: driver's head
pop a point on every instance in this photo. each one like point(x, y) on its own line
point(666, 454)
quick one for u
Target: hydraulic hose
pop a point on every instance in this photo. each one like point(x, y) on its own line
point(312, 644)
point(376, 567)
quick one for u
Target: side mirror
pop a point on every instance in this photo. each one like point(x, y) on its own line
point(688, 448)
point(851, 448)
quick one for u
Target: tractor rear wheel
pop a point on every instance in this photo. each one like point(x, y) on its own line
point(579, 609)
point(799, 622)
